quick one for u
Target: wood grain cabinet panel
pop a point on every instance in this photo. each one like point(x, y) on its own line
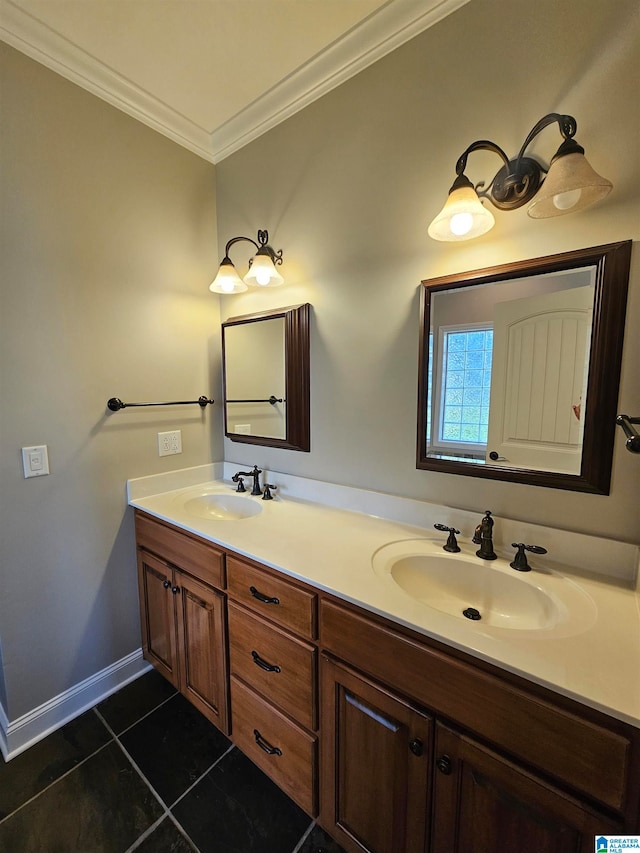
point(157, 616)
point(201, 641)
point(276, 664)
point(199, 558)
point(587, 756)
point(482, 803)
point(184, 635)
point(272, 597)
point(375, 765)
point(285, 751)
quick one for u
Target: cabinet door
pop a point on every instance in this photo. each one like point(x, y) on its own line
point(157, 615)
point(483, 803)
point(375, 764)
point(201, 640)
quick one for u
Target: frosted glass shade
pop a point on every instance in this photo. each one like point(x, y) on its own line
point(462, 218)
point(263, 273)
point(570, 185)
point(227, 281)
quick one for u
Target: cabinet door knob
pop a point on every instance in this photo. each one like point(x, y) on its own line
point(166, 584)
point(416, 746)
point(175, 590)
point(262, 743)
point(444, 765)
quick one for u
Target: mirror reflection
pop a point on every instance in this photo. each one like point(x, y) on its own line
point(511, 367)
point(509, 371)
point(255, 378)
point(266, 378)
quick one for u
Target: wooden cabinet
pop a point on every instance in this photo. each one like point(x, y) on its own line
point(157, 616)
point(404, 745)
point(515, 771)
point(184, 628)
point(376, 765)
point(274, 677)
point(483, 802)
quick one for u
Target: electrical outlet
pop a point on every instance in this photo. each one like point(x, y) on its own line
point(169, 442)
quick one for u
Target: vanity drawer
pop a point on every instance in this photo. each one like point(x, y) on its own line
point(255, 644)
point(181, 549)
point(585, 755)
point(272, 597)
point(284, 751)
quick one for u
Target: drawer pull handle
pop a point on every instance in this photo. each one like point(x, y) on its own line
point(265, 599)
point(444, 765)
point(262, 743)
point(268, 667)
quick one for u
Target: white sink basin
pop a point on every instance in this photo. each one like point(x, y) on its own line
point(222, 507)
point(492, 593)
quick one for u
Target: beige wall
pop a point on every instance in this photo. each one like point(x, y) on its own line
point(348, 186)
point(108, 247)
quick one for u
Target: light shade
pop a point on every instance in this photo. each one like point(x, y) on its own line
point(463, 216)
point(227, 280)
point(262, 272)
point(570, 185)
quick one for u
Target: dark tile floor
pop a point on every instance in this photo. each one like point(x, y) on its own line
point(145, 771)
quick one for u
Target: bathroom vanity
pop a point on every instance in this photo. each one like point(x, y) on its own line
point(397, 737)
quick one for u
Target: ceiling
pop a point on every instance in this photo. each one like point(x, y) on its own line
point(213, 74)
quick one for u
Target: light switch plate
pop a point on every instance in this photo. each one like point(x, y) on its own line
point(35, 461)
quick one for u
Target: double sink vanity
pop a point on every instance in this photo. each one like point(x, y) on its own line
point(331, 646)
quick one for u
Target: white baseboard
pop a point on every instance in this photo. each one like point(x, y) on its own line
point(18, 735)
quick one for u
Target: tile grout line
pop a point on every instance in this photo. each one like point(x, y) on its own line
point(166, 809)
point(166, 812)
point(305, 835)
point(201, 777)
point(143, 717)
point(55, 782)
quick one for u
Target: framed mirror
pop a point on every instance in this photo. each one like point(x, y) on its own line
point(265, 374)
point(519, 369)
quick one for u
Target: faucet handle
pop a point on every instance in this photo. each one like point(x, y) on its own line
point(267, 496)
point(519, 562)
point(452, 544)
point(240, 481)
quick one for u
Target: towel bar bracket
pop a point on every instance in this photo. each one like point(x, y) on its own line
point(633, 439)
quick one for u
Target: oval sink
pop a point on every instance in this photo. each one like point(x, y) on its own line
point(492, 593)
point(222, 507)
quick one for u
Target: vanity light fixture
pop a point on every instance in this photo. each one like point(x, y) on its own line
point(262, 267)
point(570, 184)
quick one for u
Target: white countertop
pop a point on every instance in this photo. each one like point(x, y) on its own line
point(597, 662)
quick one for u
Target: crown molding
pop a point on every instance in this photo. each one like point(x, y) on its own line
point(41, 43)
point(383, 31)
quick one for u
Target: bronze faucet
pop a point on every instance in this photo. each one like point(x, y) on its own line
point(256, 490)
point(484, 538)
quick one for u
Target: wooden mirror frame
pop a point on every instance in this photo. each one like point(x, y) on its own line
point(297, 348)
point(611, 262)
